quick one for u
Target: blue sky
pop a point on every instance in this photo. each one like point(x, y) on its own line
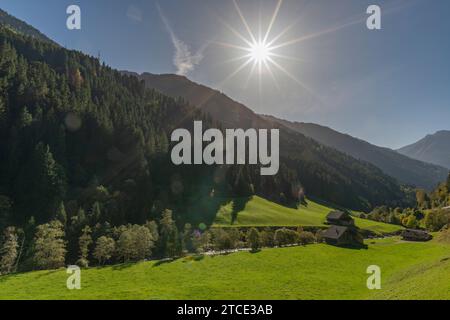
point(389, 87)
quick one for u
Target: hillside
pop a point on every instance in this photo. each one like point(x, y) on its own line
point(22, 27)
point(259, 212)
point(85, 152)
point(230, 113)
point(433, 148)
point(323, 172)
point(409, 271)
point(404, 168)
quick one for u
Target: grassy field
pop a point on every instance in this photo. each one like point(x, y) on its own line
point(409, 271)
point(259, 212)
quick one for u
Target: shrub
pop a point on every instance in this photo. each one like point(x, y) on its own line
point(436, 219)
point(285, 237)
point(267, 238)
point(306, 237)
point(253, 239)
point(319, 236)
point(222, 240)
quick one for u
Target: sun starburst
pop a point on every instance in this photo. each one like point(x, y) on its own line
point(260, 50)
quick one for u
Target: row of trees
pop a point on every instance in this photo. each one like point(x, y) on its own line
point(135, 243)
point(222, 239)
point(48, 248)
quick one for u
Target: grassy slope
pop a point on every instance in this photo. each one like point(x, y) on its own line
point(409, 270)
point(260, 212)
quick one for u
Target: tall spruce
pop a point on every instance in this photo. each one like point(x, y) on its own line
point(84, 243)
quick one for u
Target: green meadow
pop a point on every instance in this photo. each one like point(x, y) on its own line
point(409, 271)
point(259, 212)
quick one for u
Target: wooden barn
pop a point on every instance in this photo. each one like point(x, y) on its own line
point(416, 235)
point(343, 236)
point(340, 218)
point(342, 230)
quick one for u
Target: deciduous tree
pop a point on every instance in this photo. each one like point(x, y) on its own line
point(49, 246)
point(104, 249)
point(8, 250)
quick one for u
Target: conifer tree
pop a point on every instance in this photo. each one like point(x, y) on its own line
point(169, 236)
point(84, 243)
point(61, 214)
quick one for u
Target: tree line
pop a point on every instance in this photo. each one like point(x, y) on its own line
point(104, 244)
point(431, 210)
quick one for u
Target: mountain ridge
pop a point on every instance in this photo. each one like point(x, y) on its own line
point(304, 157)
point(433, 148)
point(213, 102)
point(406, 169)
point(22, 27)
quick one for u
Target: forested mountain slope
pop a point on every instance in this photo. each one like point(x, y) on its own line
point(323, 172)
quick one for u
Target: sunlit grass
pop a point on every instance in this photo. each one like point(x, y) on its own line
point(409, 270)
point(260, 212)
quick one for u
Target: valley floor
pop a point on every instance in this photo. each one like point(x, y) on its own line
point(409, 271)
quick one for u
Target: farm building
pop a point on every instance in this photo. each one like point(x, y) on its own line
point(342, 231)
point(343, 236)
point(416, 235)
point(340, 218)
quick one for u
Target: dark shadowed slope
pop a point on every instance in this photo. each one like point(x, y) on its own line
point(403, 168)
point(433, 148)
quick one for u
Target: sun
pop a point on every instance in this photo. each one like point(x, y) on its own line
point(260, 52)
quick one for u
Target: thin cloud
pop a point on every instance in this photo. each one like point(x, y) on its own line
point(134, 13)
point(183, 59)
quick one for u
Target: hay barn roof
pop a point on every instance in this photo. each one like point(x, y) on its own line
point(334, 232)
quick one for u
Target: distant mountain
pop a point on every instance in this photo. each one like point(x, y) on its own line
point(325, 173)
point(406, 170)
point(433, 148)
point(17, 25)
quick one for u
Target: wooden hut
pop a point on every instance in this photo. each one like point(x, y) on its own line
point(342, 231)
point(340, 218)
point(416, 235)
